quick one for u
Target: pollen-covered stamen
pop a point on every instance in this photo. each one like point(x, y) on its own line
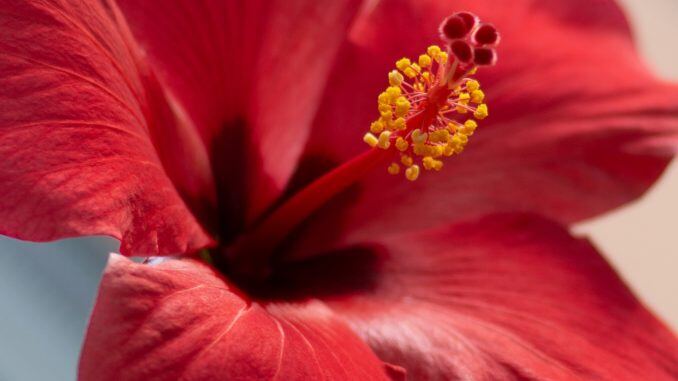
point(432, 105)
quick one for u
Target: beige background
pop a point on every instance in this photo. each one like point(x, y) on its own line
point(641, 239)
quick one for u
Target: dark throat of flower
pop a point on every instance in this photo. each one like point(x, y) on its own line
point(427, 113)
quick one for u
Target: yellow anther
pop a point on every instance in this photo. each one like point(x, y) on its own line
point(472, 85)
point(477, 96)
point(419, 149)
point(437, 151)
point(434, 51)
point(401, 144)
point(394, 169)
point(403, 63)
point(402, 106)
point(412, 71)
point(457, 143)
point(395, 78)
point(439, 136)
point(473, 71)
point(452, 127)
point(425, 60)
point(406, 160)
point(387, 115)
point(461, 109)
point(383, 108)
point(428, 162)
point(442, 58)
point(434, 137)
point(464, 98)
point(412, 173)
point(384, 140)
point(384, 98)
point(431, 163)
point(419, 137)
point(427, 76)
point(468, 128)
point(481, 111)
point(370, 139)
point(399, 124)
point(377, 127)
point(470, 123)
point(393, 93)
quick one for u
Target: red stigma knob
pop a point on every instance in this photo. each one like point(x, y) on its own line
point(486, 34)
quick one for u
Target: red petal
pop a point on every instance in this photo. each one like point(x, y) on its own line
point(251, 74)
point(569, 102)
point(86, 131)
point(507, 297)
point(179, 320)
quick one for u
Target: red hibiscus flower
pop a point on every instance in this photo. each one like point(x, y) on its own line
point(234, 129)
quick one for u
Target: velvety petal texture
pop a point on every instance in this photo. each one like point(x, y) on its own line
point(89, 142)
point(575, 120)
point(250, 74)
point(180, 321)
point(505, 297)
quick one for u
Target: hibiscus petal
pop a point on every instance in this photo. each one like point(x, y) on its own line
point(505, 297)
point(570, 106)
point(179, 320)
point(250, 74)
point(88, 143)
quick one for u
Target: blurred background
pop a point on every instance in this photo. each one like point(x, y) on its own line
point(47, 290)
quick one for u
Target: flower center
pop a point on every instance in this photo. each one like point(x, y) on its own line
point(428, 112)
point(431, 107)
